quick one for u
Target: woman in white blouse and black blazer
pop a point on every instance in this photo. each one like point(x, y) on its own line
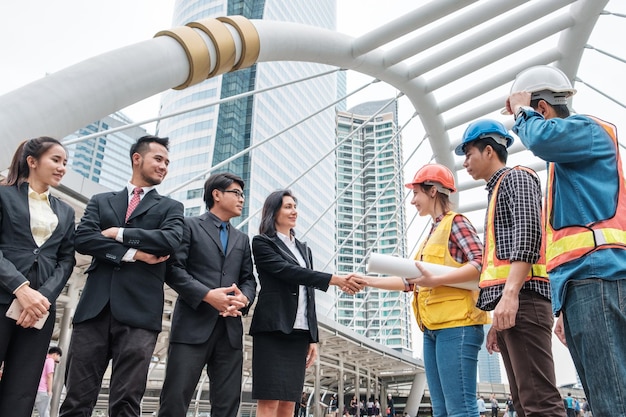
point(36, 260)
point(284, 325)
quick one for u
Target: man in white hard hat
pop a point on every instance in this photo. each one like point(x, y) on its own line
point(585, 230)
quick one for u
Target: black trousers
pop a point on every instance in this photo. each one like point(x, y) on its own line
point(94, 343)
point(23, 352)
point(185, 363)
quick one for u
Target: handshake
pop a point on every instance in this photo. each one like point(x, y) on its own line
point(351, 283)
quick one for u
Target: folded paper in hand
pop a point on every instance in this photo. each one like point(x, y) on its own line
point(393, 265)
point(15, 310)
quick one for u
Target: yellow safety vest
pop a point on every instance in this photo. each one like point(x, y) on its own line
point(495, 271)
point(444, 307)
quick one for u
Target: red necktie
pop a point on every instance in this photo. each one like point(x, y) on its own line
point(134, 201)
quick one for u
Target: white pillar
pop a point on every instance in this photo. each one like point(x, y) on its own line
point(416, 394)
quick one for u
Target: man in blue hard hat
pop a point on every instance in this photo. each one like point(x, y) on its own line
point(513, 282)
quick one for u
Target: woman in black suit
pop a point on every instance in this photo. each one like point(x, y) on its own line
point(36, 260)
point(284, 325)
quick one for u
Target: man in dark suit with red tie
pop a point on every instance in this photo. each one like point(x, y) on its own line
point(130, 234)
point(213, 274)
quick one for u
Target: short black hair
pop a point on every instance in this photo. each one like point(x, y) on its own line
point(143, 144)
point(499, 149)
point(55, 349)
point(561, 110)
point(220, 181)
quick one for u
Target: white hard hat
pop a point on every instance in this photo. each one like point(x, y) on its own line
point(544, 82)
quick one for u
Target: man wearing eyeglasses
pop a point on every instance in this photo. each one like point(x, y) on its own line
point(212, 273)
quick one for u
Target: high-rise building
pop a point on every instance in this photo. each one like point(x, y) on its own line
point(371, 218)
point(301, 158)
point(488, 365)
point(104, 159)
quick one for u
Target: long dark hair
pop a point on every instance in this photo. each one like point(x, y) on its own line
point(272, 205)
point(36, 147)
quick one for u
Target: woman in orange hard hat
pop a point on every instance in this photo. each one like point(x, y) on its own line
point(452, 325)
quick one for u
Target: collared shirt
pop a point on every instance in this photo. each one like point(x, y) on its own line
point(43, 221)
point(301, 321)
point(464, 244)
point(217, 222)
point(130, 253)
point(130, 189)
point(517, 227)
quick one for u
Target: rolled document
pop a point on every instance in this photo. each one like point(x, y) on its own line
point(393, 265)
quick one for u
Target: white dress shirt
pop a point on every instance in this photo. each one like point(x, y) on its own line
point(129, 256)
point(301, 322)
point(43, 221)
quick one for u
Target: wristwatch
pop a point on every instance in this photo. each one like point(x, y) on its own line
point(523, 111)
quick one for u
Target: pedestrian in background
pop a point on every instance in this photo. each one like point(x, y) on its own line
point(44, 392)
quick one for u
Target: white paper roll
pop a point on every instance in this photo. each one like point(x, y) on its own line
point(393, 265)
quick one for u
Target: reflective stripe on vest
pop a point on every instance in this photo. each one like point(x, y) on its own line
point(572, 242)
point(495, 271)
point(444, 307)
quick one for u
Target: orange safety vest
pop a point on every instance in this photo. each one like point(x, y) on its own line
point(572, 242)
point(444, 307)
point(495, 271)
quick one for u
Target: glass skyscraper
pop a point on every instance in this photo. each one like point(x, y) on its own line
point(488, 365)
point(104, 159)
point(371, 218)
point(204, 138)
point(302, 158)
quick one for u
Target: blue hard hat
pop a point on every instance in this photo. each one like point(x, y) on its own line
point(485, 128)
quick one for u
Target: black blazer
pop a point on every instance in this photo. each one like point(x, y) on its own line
point(18, 250)
point(199, 266)
point(134, 290)
point(280, 276)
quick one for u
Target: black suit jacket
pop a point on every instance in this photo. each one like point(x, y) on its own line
point(18, 250)
point(134, 290)
point(280, 276)
point(199, 266)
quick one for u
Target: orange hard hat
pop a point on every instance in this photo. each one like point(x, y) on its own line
point(434, 174)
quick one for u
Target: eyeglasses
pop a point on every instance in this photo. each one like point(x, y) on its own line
point(238, 193)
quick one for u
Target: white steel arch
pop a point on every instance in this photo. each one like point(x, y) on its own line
point(412, 53)
point(453, 58)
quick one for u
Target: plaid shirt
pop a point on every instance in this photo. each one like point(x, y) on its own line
point(464, 244)
point(517, 226)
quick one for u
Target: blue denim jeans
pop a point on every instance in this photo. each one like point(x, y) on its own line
point(451, 359)
point(595, 329)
